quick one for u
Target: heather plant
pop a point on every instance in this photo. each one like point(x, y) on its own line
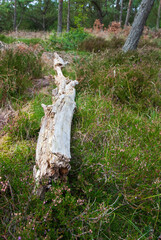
point(110, 191)
point(131, 79)
point(93, 44)
point(26, 125)
point(149, 43)
point(17, 68)
point(98, 44)
point(113, 187)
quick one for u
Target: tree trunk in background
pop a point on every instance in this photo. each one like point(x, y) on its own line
point(158, 17)
point(128, 13)
point(121, 9)
point(43, 22)
point(60, 16)
point(99, 10)
point(68, 17)
point(53, 145)
point(106, 1)
point(138, 25)
point(15, 16)
point(117, 10)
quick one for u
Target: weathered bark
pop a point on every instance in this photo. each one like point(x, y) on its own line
point(60, 16)
point(68, 17)
point(121, 9)
point(158, 16)
point(53, 145)
point(128, 13)
point(138, 25)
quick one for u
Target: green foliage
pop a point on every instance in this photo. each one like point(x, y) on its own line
point(42, 15)
point(68, 41)
point(17, 69)
point(6, 14)
point(81, 17)
point(6, 39)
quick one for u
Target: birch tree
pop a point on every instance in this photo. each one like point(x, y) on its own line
point(121, 9)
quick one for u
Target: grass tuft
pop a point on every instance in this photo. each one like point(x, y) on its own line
point(6, 39)
point(17, 68)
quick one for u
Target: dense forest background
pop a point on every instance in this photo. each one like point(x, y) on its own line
point(43, 14)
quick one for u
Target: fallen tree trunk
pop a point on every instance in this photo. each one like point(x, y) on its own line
point(53, 145)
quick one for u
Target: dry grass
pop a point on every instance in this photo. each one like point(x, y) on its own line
point(29, 34)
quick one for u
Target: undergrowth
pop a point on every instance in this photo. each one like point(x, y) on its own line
point(68, 41)
point(17, 68)
point(113, 189)
point(132, 79)
point(98, 44)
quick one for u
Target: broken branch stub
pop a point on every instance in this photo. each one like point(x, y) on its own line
point(53, 145)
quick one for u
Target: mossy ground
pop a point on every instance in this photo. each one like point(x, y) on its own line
point(113, 189)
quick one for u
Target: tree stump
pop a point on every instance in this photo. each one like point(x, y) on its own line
point(53, 145)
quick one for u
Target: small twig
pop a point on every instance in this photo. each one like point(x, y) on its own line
point(10, 232)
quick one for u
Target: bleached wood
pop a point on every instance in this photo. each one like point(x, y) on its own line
point(53, 145)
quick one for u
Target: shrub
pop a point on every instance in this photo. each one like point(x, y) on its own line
point(93, 44)
point(17, 69)
point(68, 41)
point(97, 44)
point(115, 42)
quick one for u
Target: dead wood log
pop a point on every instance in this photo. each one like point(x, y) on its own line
point(53, 145)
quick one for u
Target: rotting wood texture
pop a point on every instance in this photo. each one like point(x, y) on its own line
point(53, 145)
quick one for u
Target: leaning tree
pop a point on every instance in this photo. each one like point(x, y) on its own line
point(138, 25)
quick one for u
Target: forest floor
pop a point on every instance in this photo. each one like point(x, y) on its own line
point(114, 187)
